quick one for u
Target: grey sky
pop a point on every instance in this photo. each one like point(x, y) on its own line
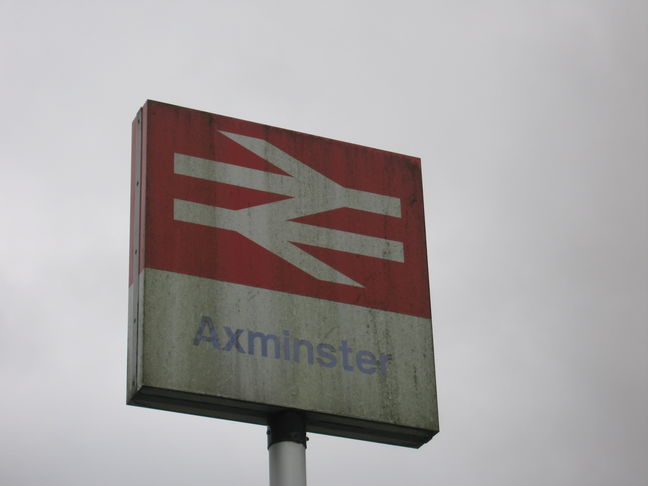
point(531, 119)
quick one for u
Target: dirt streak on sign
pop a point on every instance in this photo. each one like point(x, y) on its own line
point(273, 269)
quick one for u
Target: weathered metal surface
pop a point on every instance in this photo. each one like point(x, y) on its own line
point(272, 269)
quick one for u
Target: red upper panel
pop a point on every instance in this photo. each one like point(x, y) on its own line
point(167, 243)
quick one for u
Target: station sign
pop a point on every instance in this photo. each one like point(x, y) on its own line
point(272, 270)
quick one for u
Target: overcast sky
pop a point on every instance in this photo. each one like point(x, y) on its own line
point(531, 120)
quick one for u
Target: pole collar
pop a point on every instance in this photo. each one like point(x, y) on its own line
point(287, 425)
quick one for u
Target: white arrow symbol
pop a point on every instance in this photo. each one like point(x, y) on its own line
point(271, 226)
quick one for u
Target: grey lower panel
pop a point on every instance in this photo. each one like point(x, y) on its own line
point(257, 413)
point(218, 349)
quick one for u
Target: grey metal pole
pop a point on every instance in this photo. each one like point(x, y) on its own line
point(287, 449)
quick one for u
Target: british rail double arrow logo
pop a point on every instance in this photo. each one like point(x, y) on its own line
point(272, 225)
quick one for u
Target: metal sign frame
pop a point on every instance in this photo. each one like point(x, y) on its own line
point(274, 270)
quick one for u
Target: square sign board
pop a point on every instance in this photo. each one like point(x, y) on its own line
point(270, 270)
